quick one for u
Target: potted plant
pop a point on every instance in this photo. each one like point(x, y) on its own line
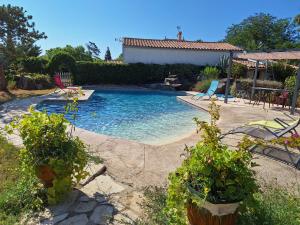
point(51, 152)
point(213, 179)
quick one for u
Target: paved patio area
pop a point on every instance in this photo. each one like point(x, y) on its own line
point(136, 165)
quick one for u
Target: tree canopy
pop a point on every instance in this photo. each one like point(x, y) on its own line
point(79, 53)
point(107, 55)
point(17, 33)
point(93, 49)
point(264, 32)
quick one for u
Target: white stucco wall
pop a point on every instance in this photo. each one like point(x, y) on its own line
point(171, 56)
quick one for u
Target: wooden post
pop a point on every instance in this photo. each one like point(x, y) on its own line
point(254, 79)
point(295, 95)
point(228, 77)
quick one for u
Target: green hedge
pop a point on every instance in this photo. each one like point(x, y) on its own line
point(108, 73)
point(247, 84)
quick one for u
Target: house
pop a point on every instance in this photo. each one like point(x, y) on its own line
point(172, 51)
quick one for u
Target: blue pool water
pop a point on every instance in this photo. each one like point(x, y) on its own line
point(152, 117)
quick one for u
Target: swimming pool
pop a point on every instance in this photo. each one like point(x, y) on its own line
point(151, 117)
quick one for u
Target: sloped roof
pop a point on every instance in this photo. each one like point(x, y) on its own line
point(292, 54)
point(249, 64)
point(177, 44)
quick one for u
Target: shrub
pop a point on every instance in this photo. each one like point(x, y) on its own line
point(62, 62)
point(34, 65)
point(11, 85)
point(33, 81)
point(247, 84)
point(203, 85)
point(282, 71)
point(290, 83)
point(210, 72)
point(138, 73)
point(238, 70)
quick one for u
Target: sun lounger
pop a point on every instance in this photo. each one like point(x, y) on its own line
point(210, 92)
point(273, 124)
point(266, 134)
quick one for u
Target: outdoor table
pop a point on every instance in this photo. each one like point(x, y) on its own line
point(265, 93)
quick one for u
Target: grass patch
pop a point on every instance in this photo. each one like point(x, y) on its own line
point(273, 206)
point(19, 193)
point(9, 161)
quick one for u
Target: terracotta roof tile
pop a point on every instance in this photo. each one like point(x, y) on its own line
point(176, 44)
point(270, 55)
point(249, 64)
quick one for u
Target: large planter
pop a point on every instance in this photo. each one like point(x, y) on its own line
point(212, 214)
point(46, 175)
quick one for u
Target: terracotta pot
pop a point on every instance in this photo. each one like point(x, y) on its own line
point(212, 214)
point(46, 175)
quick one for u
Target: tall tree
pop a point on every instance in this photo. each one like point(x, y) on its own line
point(17, 32)
point(93, 49)
point(107, 55)
point(2, 77)
point(263, 32)
point(297, 19)
point(79, 52)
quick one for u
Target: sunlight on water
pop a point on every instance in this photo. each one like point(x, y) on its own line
point(152, 117)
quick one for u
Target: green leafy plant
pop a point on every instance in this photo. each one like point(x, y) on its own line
point(290, 83)
point(20, 193)
point(238, 70)
point(282, 71)
point(223, 63)
point(48, 144)
point(211, 172)
point(210, 72)
point(203, 85)
point(274, 205)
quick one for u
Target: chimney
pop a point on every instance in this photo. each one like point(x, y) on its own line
point(179, 35)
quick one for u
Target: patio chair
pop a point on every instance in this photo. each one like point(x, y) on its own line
point(282, 99)
point(61, 86)
point(264, 133)
point(210, 92)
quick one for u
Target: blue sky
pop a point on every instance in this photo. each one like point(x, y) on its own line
point(76, 22)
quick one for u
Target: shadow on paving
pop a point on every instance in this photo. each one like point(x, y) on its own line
point(279, 154)
point(79, 209)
